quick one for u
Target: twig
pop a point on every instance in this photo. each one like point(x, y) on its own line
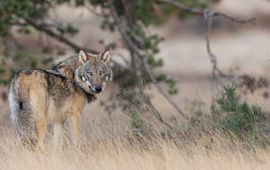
point(134, 50)
point(201, 12)
point(196, 11)
point(233, 19)
point(208, 16)
point(213, 58)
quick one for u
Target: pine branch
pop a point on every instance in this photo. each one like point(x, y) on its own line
point(59, 37)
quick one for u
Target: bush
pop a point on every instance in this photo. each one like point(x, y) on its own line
point(240, 119)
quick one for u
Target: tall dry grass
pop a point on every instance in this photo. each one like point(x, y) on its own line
point(120, 153)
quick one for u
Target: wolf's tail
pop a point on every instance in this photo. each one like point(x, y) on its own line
point(13, 102)
point(21, 112)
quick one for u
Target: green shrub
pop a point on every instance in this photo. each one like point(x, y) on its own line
point(240, 119)
point(136, 121)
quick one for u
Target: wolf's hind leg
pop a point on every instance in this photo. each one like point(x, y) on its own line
point(41, 132)
point(58, 135)
point(39, 105)
point(26, 133)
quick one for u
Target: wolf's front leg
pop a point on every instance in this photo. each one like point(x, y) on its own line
point(75, 127)
point(58, 135)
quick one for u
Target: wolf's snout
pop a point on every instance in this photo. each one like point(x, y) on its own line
point(97, 88)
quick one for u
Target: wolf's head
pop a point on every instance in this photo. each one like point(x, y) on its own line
point(94, 72)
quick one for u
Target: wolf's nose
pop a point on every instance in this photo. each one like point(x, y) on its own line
point(97, 89)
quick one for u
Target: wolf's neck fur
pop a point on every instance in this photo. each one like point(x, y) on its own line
point(73, 63)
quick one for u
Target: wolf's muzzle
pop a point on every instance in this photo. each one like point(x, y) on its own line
point(97, 88)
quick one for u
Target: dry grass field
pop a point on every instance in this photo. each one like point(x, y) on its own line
point(109, 143)
point(117, 155)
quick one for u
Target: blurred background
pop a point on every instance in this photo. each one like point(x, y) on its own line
point(39, 34)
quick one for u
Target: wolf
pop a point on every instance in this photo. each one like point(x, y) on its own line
point(39, 98)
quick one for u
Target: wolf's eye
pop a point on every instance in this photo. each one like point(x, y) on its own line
point(90, 74)
point(101, 73)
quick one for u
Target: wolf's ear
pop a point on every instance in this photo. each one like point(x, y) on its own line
point(82, 56)
point(69, 73)
point(106, 56)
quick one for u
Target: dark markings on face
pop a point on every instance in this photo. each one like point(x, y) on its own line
point(93, 76)
point(97, 71)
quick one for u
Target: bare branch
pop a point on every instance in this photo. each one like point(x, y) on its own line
point(208, 16)
point(201, 12)
point(234, 19)
point(213, 58)
point(63, 39)
point(59, 37)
